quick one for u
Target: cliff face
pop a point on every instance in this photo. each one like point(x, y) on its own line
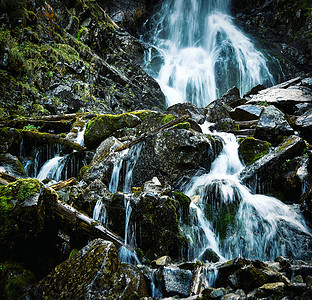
point(69, 56)
point(285, 25)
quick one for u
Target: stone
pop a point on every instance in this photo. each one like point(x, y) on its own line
point(12, 165)
point(177, 281)
point(304, 125)
point(298, 279)
point(10, 139)
point(93, 272)
point(218, 293)
point(246, 112)
point(162, 261)
point(272, 126)
point(102, 127)
point(251, 149)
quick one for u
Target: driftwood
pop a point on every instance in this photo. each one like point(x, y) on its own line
point(146, 134)
point(84, 225)
point(107, 17)
point(43, 138)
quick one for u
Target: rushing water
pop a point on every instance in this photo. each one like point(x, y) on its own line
point(198, 53)
point(230, 221)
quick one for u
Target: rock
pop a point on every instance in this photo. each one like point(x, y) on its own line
point(10, 139)
point(246, 112)
point(277, 173)
point(218, 293)
point(102, 127)
point(251, 149)
point(162, 261)
point(284, 99)
point(255, 90)
point(14, 280)
point(159, 233)
point(272, 126)
point(168, 154)
point(304, 125)
point(177, 281)
point(198, 115)
point(298, 279)
point(11, 165)
point(152, 186)
point(29, 232)
point(93, 272)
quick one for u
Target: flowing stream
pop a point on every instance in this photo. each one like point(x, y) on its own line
point(198, 53)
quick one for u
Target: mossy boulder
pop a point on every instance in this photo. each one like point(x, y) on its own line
point(10, 139)
point(14, 280)
point(157, 218)
point(12, 165)
point(101, 127)
point(28, 232)
point(251, 149)
point(93, 272)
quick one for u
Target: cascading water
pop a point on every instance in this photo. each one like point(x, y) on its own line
point(198, 53)
point(239, 223)
point(126, 161)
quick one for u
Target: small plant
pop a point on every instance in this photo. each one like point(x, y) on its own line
point(31, 127)
point(1, 267)
point(50, 74)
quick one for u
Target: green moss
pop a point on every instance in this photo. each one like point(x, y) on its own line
point(251, 149)
point(83, 170)
point(185, 125)
point(285, 144)
point(73, 252)
point(167, 118)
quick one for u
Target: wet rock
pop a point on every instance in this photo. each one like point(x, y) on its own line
point(197, 114)
point(10, 139)
point(93, 272)
point(218, 293)
point(284, 99)
point(272, 126)
point(11, 165)
point(153, 186)
point(14, 280)
point(268, 290)
point(251, 149)
point(177, 281)
point(169, 153)
point(101, 127)
point(255, 90)
point(304, 125)
point(157, 220)
point(246, 112)
point(278, 173)
point(162, 261)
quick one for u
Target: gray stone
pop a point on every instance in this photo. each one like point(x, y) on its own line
point(246, 112)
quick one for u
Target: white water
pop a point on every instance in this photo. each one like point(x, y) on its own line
point(203, 53)
point(53, 168)
point(258, 226)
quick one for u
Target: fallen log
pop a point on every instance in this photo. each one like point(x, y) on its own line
point(60, 185)
point(146, 134)
point(38, 138)
point(84, 225)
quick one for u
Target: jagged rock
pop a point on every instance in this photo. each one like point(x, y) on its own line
point(11, 165)
point(246, 112)
point(283, 98)
point(218, 293)
point(153, 186)
point(93, 272)
point(169, 153)
point(251, 149)
point(162, 261)
point(197, 115)
point(102, 127)
point(255, 90)
point(304, 125)
point(277, 173)
point(272, 126)
point(176, 281)
point(267, 290)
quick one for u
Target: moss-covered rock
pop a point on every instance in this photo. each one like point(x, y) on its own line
point(93, 272)
point(10, 139)
point(101, 127)
point(251, 149)
point(11, 165)
point(14, 280)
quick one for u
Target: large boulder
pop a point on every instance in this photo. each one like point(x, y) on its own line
point(304, 125)
point(12, 165)
point(169, 153)
point(102, 127)
point(278, 173)
point(10, 139)
point(272, 126)
point(246, 112)
point(94, 272)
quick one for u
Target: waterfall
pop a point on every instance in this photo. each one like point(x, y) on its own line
point(198, 53)
point(238, 222)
